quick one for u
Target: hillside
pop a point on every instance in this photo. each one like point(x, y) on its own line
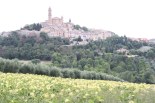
point(117, 56)
point(26, 88)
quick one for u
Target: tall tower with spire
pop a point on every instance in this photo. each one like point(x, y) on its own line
point(49, 14)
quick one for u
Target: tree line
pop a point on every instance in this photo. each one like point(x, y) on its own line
point(34, 26)
point(98, 56)
point(14, 66)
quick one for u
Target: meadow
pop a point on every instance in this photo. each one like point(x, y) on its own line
point(28, 88)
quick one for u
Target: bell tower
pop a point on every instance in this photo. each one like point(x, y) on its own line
point(49, 14)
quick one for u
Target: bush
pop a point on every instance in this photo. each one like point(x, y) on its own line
point(2, 63)
point(66, 73)
point(71, 73)
point(11, 66)
point(77, 74)
point(85, 75)
point(14, 66)
point(42, 70)
point(25, 68)
point(35, 61)
point(55, 72)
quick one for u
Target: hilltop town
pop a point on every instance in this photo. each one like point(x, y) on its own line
point(56, 27)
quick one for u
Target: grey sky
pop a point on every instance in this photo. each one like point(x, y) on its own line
point(134, 18)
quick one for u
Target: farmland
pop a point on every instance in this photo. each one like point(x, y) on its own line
point(27, 88)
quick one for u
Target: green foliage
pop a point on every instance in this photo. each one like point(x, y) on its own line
point(85, 28)
point(79, 39)
point(38, 69)
point(78, 27)
point(30, 47)
point(150, 54)
point(26, 69)
point(66, 73)
point(13, 66)
point(97, 56)
point(55, 72)
point(77, 74)
point(45, 38)
point(34, 26)
point(12, 39)
point(35, 61)
point(10, 66)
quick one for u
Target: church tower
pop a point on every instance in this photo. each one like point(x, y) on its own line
point(49, 14)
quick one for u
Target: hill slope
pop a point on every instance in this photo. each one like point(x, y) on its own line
point(26, 88)
point(117, 56)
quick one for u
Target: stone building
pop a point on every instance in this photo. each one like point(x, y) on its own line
point(56, 26)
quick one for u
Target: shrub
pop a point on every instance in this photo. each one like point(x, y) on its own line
point(35, 61)
point(71, 73)
point(27, 68)
point(77, 74)
point(55, 72)
point(65, 73)
point(42, 70)
point(2, 65)
point(11, 66)
point(16, 67)
point(85, 75)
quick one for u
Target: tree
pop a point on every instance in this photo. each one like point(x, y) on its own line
point(79, 39)
point(34, 26)
point(44, 36)
point(150, 54)
point(35, 61)
point(85, 28)
point(77, 27)
point(82, 62)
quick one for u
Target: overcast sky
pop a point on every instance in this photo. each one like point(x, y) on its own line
point(133, 18)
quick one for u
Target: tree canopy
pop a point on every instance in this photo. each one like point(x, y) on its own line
point(99, 56)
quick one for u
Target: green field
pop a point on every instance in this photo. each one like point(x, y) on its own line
point(26, 88)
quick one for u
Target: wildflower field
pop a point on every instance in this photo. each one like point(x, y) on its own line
point(27, 88)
